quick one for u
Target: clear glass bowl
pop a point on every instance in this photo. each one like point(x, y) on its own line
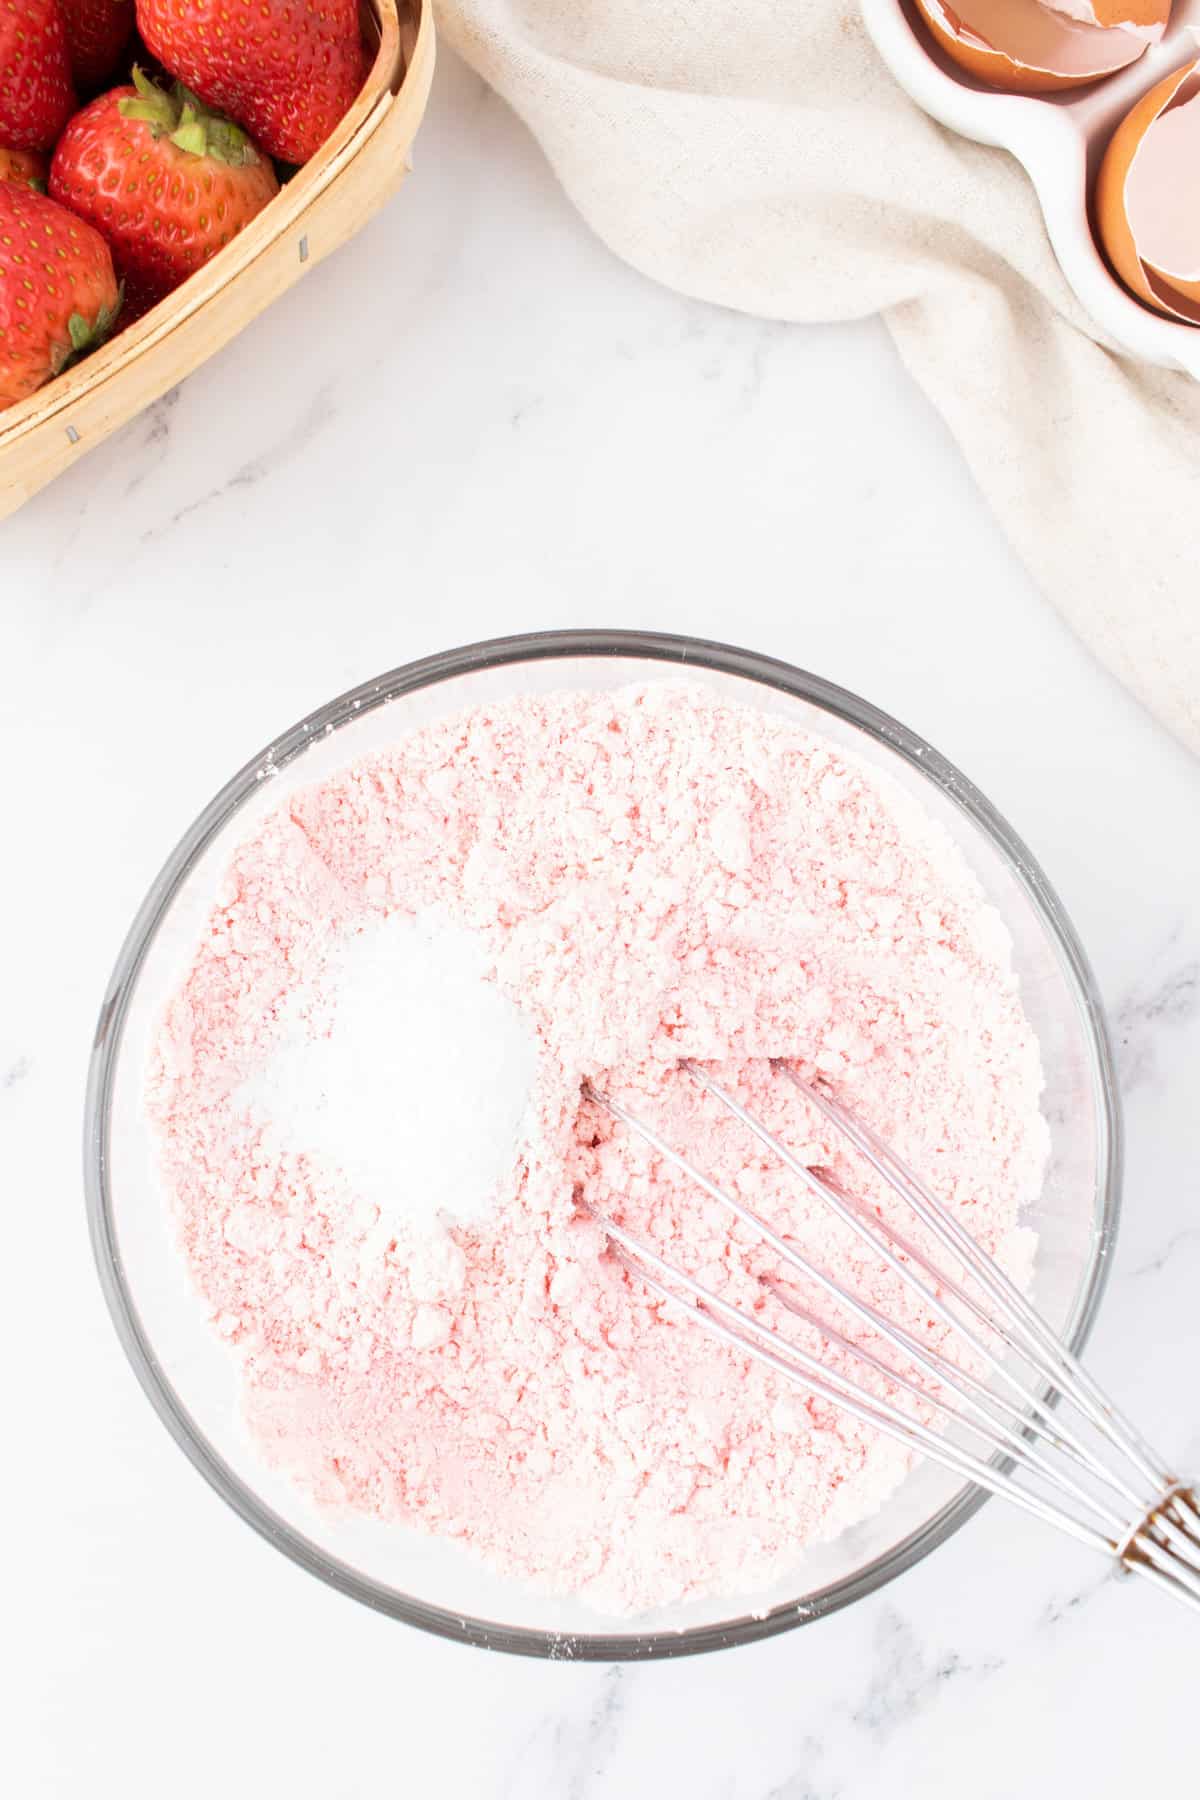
point(190, 1377)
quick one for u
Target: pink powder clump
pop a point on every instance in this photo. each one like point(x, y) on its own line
point(655, 876)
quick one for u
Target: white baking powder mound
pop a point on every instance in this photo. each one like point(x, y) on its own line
point(406, 1069)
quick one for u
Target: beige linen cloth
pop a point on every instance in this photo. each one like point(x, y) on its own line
point(757, 153)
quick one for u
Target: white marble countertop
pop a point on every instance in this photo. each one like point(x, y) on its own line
point(508, 429)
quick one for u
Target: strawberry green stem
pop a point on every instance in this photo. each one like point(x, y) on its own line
point(189, 124)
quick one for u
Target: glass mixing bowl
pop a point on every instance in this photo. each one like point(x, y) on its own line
point(192, 1380)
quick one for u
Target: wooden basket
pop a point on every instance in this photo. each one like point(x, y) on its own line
point(331, 198)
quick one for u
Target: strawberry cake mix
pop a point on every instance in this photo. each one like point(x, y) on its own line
point(367, 1102)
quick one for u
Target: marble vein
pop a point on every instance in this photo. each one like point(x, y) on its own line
point(319, 411)
point(1188, 1234)
point(1058, 1610)
point(1167, 1003)
point(903, 1680)
point(154, 435)
point(801, 1785)
point(577, 1750)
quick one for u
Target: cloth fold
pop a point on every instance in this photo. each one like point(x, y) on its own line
point(761, 157)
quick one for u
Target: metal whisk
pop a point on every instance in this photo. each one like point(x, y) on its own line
point(1042, 1434)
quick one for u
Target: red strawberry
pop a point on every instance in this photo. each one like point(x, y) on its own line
point(97, 32)
point(285, 71)
point(167, 182)
point(58, 293)
point(36, 96)
point(26, 167)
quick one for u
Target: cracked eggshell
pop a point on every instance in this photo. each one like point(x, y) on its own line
point(1148, 196)
point(1025, 47)
point(1146, 16)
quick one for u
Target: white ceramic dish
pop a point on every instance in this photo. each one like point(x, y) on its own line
point(1059, 140)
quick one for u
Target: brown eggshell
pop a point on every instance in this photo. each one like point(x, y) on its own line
point(1148, 15)
point(1112, 219)
point(966, 46)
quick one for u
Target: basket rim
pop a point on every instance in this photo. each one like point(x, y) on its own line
point(393, 75)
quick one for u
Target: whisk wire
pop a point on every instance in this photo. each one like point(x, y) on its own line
point(1162, 1543)
point(723, 1320)
point(926, 1357)
point(1035, 1421)
point(1009, 1443)
point(1071, 1378)
point(1033, 1404)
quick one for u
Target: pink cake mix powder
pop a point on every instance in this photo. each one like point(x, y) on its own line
point(646, 876)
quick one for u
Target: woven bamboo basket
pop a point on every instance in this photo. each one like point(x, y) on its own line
point(331, 198)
